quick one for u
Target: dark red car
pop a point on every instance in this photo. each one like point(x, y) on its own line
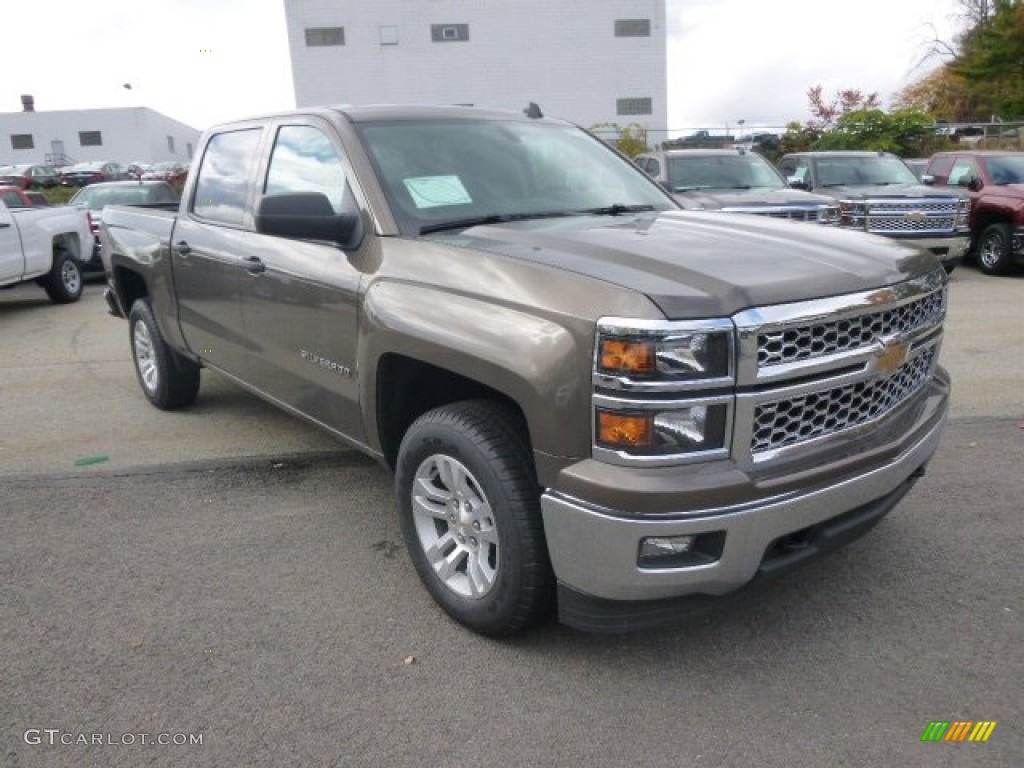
point(995, 181)
point(171, 172)
point(81, 174)
point(16, 197)
point(29, 176)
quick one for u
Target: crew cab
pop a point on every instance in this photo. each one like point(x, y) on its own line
point(47, 245)
point(995, 182)
point(590, 398)
point(878, 193)
point(734, 181)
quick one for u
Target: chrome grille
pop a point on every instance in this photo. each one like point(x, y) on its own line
point(907, 206)
point(805, 342)
point(798, 215)
point(793, 213)
point(894, 224)
point(789, 421)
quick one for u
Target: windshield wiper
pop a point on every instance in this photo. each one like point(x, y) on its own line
point(494, 218)
point(616, 210)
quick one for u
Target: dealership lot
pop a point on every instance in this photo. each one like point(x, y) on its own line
point(232, 572)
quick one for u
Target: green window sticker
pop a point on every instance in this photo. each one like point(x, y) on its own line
point(436, 191)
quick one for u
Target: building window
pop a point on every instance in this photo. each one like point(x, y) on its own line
point(90, 139)
point(316, 36)
point(449, 33)
point(389, 35)
point(634, 106)
point(170, 144)
point(632, 27)
point(22, 141)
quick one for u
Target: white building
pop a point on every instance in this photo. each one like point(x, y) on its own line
point(122, 135)
point(599, 61)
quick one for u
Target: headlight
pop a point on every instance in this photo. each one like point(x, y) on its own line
point(852, 214)
point(963, 213)
point(669, 353)
point(663, 390)
point(681, 429)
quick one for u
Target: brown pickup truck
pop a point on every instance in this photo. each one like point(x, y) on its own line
point(590, 398)
point(995, 182)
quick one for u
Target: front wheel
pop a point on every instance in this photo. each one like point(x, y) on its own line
point(63, 284)
point(168, 380)
point(469, 508)
point(994, 255)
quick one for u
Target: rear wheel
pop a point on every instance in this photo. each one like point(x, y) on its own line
point(994, 256)
point(470, 514)
point(168, 380)
point(63, 284)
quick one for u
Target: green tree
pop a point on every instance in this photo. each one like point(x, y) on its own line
point(630, 140)
point(991, 61)
point(903, 132)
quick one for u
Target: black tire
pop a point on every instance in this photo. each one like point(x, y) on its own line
point(168, 380)
point(993, 252)
point(63, 284)
point(481, 448)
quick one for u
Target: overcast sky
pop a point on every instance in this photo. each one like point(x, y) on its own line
point(203, 61)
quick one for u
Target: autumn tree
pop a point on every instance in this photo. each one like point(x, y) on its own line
point(824, 114)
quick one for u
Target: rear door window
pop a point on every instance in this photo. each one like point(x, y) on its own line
point(224, 182)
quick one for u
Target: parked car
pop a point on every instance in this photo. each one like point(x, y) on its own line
point(590, 398)
point(81, 174)
point(995, 181)
point(46, 245)
point(734, 181)
point(878, 193)
point(172, 173)
point(16, 197)
point(96, 196)
point(29, 176)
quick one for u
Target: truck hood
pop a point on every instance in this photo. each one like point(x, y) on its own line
point(714, 200)
point(895, 191)
point(695, 265)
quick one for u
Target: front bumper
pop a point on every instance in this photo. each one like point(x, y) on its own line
point(594, 551)
point(949, 250)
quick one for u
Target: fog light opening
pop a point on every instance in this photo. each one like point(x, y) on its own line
point(680, 551)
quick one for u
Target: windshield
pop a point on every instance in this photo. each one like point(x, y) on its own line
point(686, 173)
point(865, 170)
point(94, 198)
point(441, 173)
point(1007, 169)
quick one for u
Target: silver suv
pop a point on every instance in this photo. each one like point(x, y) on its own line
point(735, 181)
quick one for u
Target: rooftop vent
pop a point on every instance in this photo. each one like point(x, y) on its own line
point(28, 103)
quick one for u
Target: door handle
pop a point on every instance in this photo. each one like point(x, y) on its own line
point(254, 265)
point(183, 248)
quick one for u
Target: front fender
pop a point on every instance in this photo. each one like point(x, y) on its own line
point(541, 363)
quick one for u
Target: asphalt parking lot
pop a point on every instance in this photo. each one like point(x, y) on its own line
point(232, 573)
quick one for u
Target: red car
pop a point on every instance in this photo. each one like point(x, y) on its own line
point(995, 181)
point(81, 174)
point(173, 173)
point(16, 197)
point(29, 176)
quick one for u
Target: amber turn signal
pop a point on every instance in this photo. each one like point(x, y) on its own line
point(616, 430)
point(619, 356)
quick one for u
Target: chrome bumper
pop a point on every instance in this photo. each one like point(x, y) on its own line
point(594, 551)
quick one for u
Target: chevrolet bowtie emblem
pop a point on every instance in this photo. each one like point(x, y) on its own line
point(916, 216)
point(890, 355)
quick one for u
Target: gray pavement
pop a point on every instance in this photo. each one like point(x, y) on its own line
point(240, 577)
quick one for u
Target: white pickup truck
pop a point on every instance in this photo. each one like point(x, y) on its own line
point(48, 245)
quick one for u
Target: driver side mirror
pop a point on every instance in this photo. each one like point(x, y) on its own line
point(928, 180)
point(795, 182)
point(973, 183)
point(308, 216)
